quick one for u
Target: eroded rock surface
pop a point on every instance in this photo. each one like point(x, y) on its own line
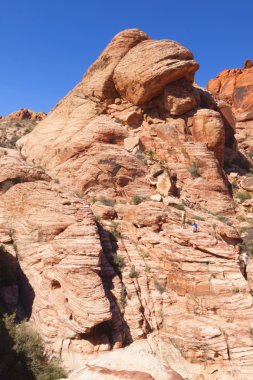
point(101, 222)
point(150, 66)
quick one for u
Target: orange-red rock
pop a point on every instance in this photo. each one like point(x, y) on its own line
point(180, 96)
point(24, 114)
point(138, 273)
point(208, 128)
point(150, 66)
point(98, 80)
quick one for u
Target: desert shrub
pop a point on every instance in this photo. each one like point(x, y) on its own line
point(161, 289)
point(234, 185)
point(136, 200)
point(98, 218)
point(235, 290)
point(119, 262)
point(243, 196)
point(22, 353)
point(133, 272)
point(78, 194)
point(194, 170)
point(147, 268)
point(144, 254)
point(179, 206)
point(150, 153)
point(223, 219)
point(123, 295)
point(247, 241)
point(197, 217)
point(114, 230)
point(107, 201)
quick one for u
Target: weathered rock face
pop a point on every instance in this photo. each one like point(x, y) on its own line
point(180, 96)
point(150, 66)
point(208, 128)
point(236, 87)
point(137, 362)
point(98, 81)
point(62, 263)
point(139, 274)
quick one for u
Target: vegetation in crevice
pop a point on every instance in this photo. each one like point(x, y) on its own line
point(22, 353)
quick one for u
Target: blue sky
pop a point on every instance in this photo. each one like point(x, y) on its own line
point(46, 46)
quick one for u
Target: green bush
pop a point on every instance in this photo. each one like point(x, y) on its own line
point(178, 206)
point(193, 169)
point(136, 200)
point(150, 153)
point(243, 196)
point(123, 295)
point(98, 218)
point(78, 194)
point(247, 241)
point(223, 219)
point(147, 268)
point(235, 290)
point(114, 230)
point(197, 217)
point(107, 201)
point(119, 262)
point(22, 353)
point(133, 272)
point(161, 289)
point(234, 185)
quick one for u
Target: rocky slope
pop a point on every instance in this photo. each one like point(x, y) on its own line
point(16, 125)
point(98, 210)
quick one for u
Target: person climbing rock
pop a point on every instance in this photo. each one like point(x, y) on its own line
point(195, 227)
point(245, 258)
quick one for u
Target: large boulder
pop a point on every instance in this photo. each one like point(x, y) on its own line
point(98, 79)
point(150, 66)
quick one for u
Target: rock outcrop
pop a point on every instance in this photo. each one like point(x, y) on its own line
point(100, 218)
point(236, 88)
point(16, 125)
point(150, 66)
point(24, 114)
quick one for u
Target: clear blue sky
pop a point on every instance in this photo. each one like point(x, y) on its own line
point(46, 46)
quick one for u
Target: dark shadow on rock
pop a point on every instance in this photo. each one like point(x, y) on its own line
point(16, 293)
point(13, 364)
point(111, 267)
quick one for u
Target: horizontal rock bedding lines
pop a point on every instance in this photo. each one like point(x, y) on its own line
point(98, 205)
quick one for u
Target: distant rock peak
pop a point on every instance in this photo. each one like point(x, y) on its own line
point(24, 114)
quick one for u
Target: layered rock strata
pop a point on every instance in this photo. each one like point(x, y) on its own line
point(104, 235)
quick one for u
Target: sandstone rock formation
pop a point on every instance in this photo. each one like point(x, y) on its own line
point(150, 66)
point(180, 96)
point(98, 80)
point(98, 212)
point(236, 88)
point(26, 114)
point(16, 125)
